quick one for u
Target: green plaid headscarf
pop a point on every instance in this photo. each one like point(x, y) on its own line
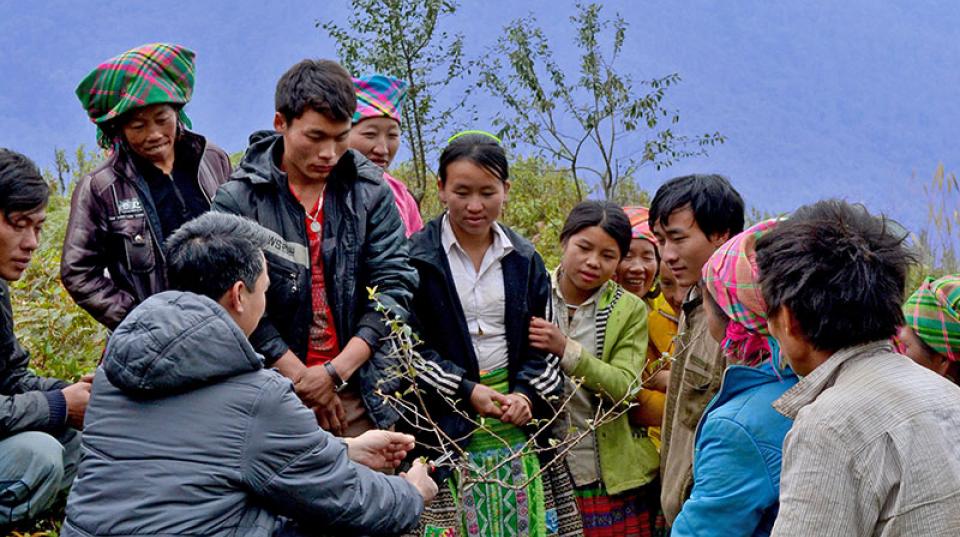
point(149, 74)
point(933, 312)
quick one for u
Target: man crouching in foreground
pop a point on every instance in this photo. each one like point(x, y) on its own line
point(187, 434)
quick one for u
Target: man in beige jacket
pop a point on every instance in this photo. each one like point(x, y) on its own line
point(691, 216)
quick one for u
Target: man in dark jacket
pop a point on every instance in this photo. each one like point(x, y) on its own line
point(337, 233)
point(188, 434)
point(38, 416)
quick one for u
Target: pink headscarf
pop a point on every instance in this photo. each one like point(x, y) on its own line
point(640, 224)
point(730, 277)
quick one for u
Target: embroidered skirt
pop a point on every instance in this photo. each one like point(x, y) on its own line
point(634, 513)
point(544, 507)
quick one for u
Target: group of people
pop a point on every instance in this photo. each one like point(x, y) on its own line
point(675, 374)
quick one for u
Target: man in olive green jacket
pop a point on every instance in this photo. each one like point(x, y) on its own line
point(691, 216)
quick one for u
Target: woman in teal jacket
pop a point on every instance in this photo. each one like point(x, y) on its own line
point(736, 461)
point(598, 334)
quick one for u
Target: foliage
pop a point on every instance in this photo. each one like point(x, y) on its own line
point(404, 39)
point(83, 163)
point(540, 197)
point(540, 100)
point(63, 340)
point(938, 244)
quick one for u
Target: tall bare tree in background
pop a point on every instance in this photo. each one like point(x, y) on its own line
point(587, 120)
point(402, 38)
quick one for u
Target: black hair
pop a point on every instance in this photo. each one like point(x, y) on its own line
point(210, 253)
point(322, 85)
point(717, 207)
point(22, 187)
point(481, 149)
point(609, 216)
point(840, 270)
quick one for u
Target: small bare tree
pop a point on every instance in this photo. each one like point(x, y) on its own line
point(419, 410)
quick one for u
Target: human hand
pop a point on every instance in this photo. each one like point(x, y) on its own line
point(659, 381)
point(76, 396)
point(518, 411)
point(546, 336)
point(487, 402)
point(315, 387)
point(379, 449)
point(87, 378)
point(419, 476)
point(332, 418)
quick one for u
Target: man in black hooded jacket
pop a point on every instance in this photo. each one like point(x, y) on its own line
point(337, 233)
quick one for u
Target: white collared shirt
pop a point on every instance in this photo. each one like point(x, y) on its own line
point(481, 294)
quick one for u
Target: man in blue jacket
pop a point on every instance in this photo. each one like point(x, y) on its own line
point(188, 434)
point(338, 234)
point(39, 444)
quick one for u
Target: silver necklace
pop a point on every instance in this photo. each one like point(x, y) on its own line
point(316, 225)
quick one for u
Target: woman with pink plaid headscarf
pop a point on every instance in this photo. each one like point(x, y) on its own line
point(736, 465)
point(376, 135)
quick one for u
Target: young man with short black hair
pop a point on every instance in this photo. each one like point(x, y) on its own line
point(875, 444)
point(39, 444)
point(338, 233)
point(691, 217)
point(189, 434)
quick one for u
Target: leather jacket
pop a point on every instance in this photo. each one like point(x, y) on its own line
point(112, 255)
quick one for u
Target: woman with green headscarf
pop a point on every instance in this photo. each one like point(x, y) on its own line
point(157, 176)
point(931, 335)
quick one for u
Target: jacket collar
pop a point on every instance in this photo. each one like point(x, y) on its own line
point(740, 378)
point(190, 146)
point(427, 244)
point(502, 245)
point(811, 386)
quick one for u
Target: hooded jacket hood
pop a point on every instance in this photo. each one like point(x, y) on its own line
point(176, 342)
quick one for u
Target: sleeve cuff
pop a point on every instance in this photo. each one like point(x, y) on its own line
point(369, 335)
point(466, 388)
point(58, 408)
point(571, 356)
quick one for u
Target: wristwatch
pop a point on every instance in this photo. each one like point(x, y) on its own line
point(338, 382)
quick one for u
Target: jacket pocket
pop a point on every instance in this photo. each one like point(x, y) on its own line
point(698, 387)
point(137, 243)
point(285, 286)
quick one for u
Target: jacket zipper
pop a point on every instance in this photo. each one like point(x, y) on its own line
point(203, 151)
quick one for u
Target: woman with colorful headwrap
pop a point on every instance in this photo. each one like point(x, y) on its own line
point(736, 476)
point(157, 176)
point(931, 335)
point(639, 273)
point(376, 135)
